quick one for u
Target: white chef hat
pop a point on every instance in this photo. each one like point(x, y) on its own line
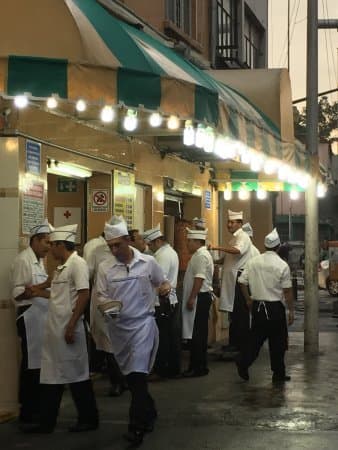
point(197, 234)
point(64, 233)
point(272, 239)
point(116, 227)
point(235, 215)
point(199, 222)
point(43, 228)
point(248, 229)
point(152, 234)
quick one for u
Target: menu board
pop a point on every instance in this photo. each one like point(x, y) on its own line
point(124, 196)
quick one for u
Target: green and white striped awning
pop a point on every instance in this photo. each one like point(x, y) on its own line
point(78, 49)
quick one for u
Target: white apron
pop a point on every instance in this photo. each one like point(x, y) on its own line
point(228, 284)
point(98, 325)
point(188, 316)
point(134, 333)
point(63, 363)
point(35, 320)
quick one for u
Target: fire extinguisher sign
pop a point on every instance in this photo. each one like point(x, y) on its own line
point(100, 200)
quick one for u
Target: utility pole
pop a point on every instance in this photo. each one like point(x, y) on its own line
point(311, 330)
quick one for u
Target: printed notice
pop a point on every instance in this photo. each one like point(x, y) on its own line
point(32, 206)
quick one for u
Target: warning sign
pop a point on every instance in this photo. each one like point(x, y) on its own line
point(100, 200)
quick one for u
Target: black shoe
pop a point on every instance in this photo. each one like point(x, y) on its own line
point(280, 378)
point(116, 390)
point(195, 373)
point(80, 427)
point(228, 356)
point(242, 372)
point(36, 429)
point(135, 438)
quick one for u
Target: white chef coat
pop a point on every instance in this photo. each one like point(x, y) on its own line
point(232, 264)
point(168, 260)
point(200, 266)
point(28, 270)
point(64, 363)
point(96, 253)
point(267, 275)
point(133, 333)
point(254, 251)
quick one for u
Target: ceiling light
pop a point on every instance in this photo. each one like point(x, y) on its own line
point(209, 141)
point(155, 120)
point(81, 105)
point(21, 101)
point(200, 136)
point(188, 133)
point(107, 114)
point(68, 170)
point(243, 193)
point(227, 194)
point(261, 194)
point(130, 122)
point(321, 190)
point(173, 123)
point(294, 195)
point(51, 102)
point(270, 167)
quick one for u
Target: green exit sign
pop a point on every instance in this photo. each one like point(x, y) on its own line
point(67, 184)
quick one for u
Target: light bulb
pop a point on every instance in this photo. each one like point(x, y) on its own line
point(256, 163)
point(173, 123)
point(188, 134)
point(294, 195)
point(227, 194)
point(107, 114)
point(51, 102)
point(321, 190)
point(245, 157)
point(130, 121)
point(283, 172)
point(200, 136)
point(261, 194)
point(270, 167)
point(243, 194)
point(209, 141)
point(21, 101)
point(81, 105)
point(155, 120)
point(303, 180)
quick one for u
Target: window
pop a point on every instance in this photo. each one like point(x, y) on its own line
point(179, 12)
point(252, 43)
point(227, 44)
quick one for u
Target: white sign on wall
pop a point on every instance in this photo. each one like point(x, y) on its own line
point(100, 200)
point(32, 205)
point(65, 215)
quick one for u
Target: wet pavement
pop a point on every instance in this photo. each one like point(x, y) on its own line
point(221, 411)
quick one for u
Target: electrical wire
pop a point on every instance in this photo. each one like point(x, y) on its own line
point(293, 28)
point(332, 51)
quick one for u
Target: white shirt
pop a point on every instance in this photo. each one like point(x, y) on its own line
point(267, 275)
point(90, 251)
point(202, 266)
point(73, 273)
point(254, 251)
point(168, 260)
point(27, 270)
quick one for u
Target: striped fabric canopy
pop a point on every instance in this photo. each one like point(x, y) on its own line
point(77, 48)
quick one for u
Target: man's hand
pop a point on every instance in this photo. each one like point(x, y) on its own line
point(190, 304)
point(69, 333)
point(249, 303)
point(291, 317)
point(164, 289)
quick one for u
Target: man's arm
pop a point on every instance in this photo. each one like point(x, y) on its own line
point(288, 294)
point(227, 249)
point(82, 300)
point(246, 294)
point(196, 287)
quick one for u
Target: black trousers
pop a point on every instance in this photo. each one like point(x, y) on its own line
point(239, 321)
point(268, 322)
point(168, 357)
point(113, 370)
point(83, 397)
point(142, 411)
point(29, 381)
point(199, 341)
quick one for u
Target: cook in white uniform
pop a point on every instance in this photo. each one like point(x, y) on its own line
point(29, 280)
point(64, 352)
point(197, 298)
point(167, 363)
point(101, 354)
point(128, 280)
point(238, 252)
point(269, 280)
point(249, 231)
